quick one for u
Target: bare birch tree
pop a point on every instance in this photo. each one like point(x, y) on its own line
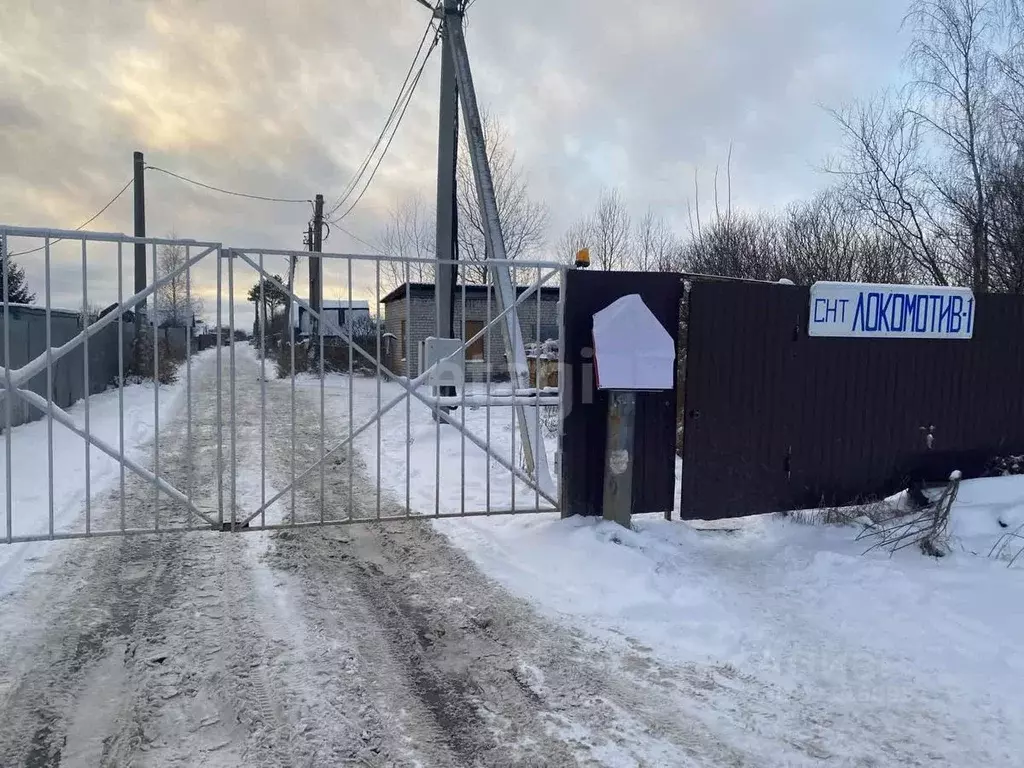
point(612, 230)
point(524, 220)
point(955, 68)
point(177, 304)
point(656, 247)
point(886, 178)
point(409, 234)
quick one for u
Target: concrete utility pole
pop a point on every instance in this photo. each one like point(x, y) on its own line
point(140, 226)
point(528, 418)
point(315, 267)
point(447, 156)
point(446, 275)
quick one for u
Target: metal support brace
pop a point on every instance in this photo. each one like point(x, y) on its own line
point(64, 418)
point(533, 447)
point(33, 368)
point(411, 389)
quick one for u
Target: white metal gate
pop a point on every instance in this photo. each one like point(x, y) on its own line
point(280, 416)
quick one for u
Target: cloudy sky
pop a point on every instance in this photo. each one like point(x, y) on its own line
point(284, 97)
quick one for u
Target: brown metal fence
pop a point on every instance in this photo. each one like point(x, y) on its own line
point(776, 420)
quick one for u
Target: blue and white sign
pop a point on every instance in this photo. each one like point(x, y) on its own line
point(867, 310)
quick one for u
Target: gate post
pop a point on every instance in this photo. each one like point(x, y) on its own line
point(619, 458)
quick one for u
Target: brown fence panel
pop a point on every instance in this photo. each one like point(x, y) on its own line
point(584, 429)
point(778, 420)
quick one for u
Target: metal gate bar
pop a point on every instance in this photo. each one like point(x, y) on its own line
point(409, 386)
point(14, 383)
point(14, 380)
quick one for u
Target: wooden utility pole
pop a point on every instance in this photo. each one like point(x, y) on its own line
point(139, 357)
point(447, 150)
point(140, 225)
point(315, 267)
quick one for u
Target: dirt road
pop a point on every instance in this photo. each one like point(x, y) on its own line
point(366, 645)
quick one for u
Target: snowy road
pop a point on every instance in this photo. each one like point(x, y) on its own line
point(369, 644)
point(479, 642)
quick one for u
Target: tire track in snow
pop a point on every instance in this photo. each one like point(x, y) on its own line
point(491, 683)
point(371, 644)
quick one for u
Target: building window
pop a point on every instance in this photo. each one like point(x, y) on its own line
point(402, 342)
point(475, 351)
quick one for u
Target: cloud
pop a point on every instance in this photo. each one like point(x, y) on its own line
point(284, 99)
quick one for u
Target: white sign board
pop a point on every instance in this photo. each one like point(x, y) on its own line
point(631, 348)
point(865, 310)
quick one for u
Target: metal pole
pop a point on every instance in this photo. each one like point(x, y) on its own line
point(533, 449)
point(619, 457)
point(8, 364)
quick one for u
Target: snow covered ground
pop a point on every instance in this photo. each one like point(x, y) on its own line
point(415, 451)
point(810, 650)
point(30, 468)
point(505, 640)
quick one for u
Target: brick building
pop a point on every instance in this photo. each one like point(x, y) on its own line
point(409, 309)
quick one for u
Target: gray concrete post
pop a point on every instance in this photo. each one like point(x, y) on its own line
point(619, 457)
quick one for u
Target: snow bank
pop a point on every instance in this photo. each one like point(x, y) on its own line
point(468, 476)
point(797, 612)
point(811, 649)
point(29, 467)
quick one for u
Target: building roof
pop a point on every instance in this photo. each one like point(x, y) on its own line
point(343, 304)
point(34, 309)
point(426, 290)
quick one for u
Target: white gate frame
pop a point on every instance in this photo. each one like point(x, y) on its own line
point(13, 381)
point(507, 316)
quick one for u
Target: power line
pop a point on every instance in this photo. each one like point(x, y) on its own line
point(354, 181)
point(359, 239)
point(402, 93)
point(394, 132)
point(81, 226)
point(228, 191)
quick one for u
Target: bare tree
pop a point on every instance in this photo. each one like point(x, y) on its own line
point(887, 181)
point(825, 238)
point(177, 305)
point(612, 231)
point(656, 246)
point(409, 234)
point(577, 237)
point(1006, 215)
point(738, 245)
point(524, 221)
point(955, 69)
point(1009, 94)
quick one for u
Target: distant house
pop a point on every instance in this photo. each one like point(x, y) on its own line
point(170, 318)
point(341, 312)
point(410, 316)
